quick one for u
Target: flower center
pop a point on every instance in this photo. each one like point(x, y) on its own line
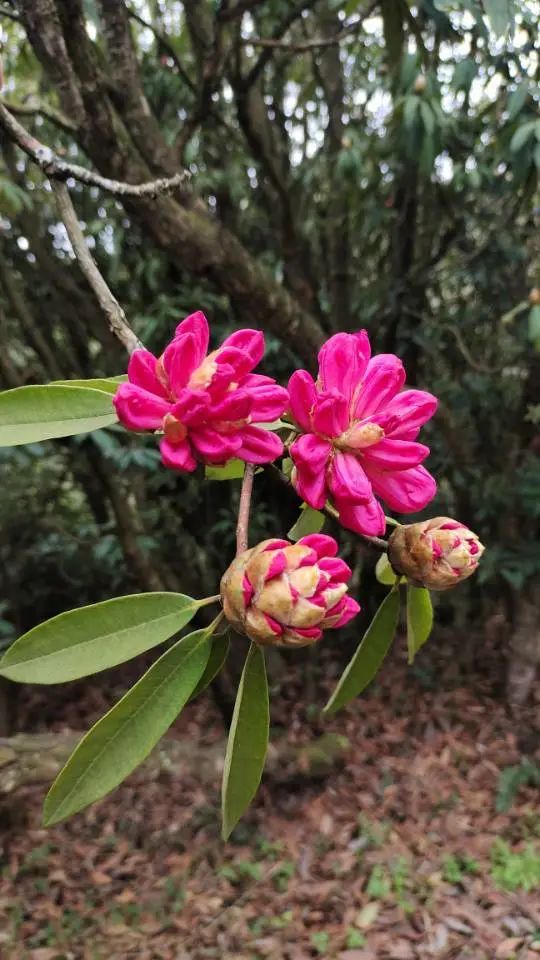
point(359, 436)
point(201, 378)
point(174, 429)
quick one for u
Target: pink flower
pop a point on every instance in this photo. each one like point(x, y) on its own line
point(359, 439)
point(285, 594)
point(437, 553)
point(207, 407)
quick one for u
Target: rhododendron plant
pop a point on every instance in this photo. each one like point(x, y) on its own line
point(206, 406)
point(352, 437)
point(284, 594)
point(359, 435)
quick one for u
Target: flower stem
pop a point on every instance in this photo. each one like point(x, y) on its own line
point(206, 601)
point(242, 525)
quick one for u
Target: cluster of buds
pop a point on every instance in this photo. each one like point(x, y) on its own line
point(436, 553)
point(285, 594)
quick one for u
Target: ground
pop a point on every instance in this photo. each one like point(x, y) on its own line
point(398, 853)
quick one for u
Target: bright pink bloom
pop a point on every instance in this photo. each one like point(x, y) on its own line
point(207, 407)
point(286, 594)
point(359, 437)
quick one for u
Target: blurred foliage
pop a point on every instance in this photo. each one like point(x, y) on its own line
point(404, 169)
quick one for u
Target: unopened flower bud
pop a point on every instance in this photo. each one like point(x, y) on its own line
point(285, 594)
point(437, 553)
point(420, 84)
point(534, 296)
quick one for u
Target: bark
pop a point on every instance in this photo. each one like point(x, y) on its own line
point(524, 659)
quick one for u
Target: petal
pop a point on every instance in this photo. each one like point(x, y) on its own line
point(345, 610)
point(347, 480)
point(342, 362)
point(394, 454)
point(238, 360)
point(311, 452)
point(196, 324)
point(179, 360)
point(310, 486)
point(191, 407)
point(250, 342)
point(406, 490)
point(301, 636)
point(363, 518)
point(385, 375)
point(258, 446)
point(137, 409)
point(330, 415)
point(177, 456)
point(336, 568)
point(268, 401)
point(302, 397)
point(214, 447)
point(406, 413)
point(323, 545)
point(142, 372)
point(235, 405)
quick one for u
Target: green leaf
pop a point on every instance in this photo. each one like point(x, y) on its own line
point(522, 135)
point(248, 741)
point(232, 470)
point(309, 521)
point(428, 118)
point(419, 618)
point(124, 737)
point(93, 638)
point(517, 100)
point(534, 324)
point(500, 14)
point(370, 654)
point(384, 571)
point(31, 414)
point(218, 656)
point(410, 110)
point(105, 384)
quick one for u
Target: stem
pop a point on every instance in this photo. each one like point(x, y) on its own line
point(243, 510)
point(208, 600)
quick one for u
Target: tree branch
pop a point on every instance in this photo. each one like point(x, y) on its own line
point(106, 299)
point(273, 44)
point(242, 527)
point(34, 108)
point(57, 169)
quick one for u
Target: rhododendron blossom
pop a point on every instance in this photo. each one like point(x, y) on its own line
point(206, 406)
point(286, 594)
point(359, 435)
point(437, 553)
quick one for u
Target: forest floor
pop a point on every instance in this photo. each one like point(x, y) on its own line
point(398, 853)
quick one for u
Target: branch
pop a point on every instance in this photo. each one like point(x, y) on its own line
point(307, 45)
point(242, 526)
point(106, 299)
point(37, 109)
point(57, 169)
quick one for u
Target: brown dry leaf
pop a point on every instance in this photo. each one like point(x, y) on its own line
point(508, 947)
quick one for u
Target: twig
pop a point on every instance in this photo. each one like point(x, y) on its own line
point(57, 169)
point(242, 525)
point(35, 108)
point(106, 299)
point(307, 45)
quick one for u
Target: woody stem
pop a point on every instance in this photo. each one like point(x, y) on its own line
point(242, 525)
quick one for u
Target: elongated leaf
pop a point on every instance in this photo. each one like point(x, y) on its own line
point(419, 618)
point(522, 135)
point(105, 384)
point(309, 521)
point(500, 14)
point(232, 470)
point(122, 739)
point(384, 571)
point(90, 639)
point(248, 741)
point(368, 658)
point(30, 414)
point(218, 656)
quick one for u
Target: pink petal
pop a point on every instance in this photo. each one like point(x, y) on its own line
point(276, 545)
point(310, 486)
point(362, 518)
point(137, 409)
point(309, 633)
point(177, 456)
point(394, 454)
point(191, 407)
point(302, 397)
point(196, 324)
point(347, 480)
point(214, 447)
point(342, 362)
point(142, 372)
point(406, 413)
point(311, 452)
point(330, 415)
point(269, 401)
point(277, 566)
point(276, 627)
point(180, 359)
point(405, 491)
point(250, 342)
point(347, 608)
point(385, 375)
point(323, 545)
point(238, 360)
point(336, 568)
point(247, 590)
point(259, 446)
point(236, 405)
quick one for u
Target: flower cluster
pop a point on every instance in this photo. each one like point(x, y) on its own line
point(359, 435)
point(436, 553)
point(285, 594)
point(206, 406)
